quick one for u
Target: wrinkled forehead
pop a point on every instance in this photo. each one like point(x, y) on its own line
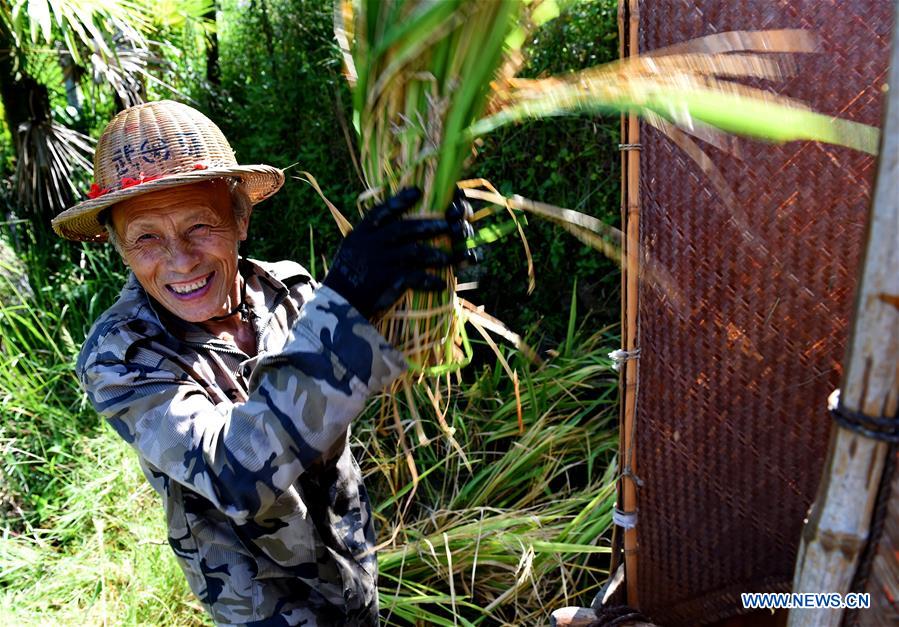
point(187, 200)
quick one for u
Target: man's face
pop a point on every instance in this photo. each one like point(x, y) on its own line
point(181, 244)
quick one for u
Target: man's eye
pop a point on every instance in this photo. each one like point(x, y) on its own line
point(146, 237)
point(198, 227)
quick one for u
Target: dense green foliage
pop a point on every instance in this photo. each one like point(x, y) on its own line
point(82, 537)
point(568, 162)
point(284, 101)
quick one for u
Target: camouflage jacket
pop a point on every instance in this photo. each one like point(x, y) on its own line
point(266, 510)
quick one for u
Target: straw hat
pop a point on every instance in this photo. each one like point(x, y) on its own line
point(154, 146)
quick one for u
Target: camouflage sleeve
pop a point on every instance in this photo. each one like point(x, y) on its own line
point(243, 457)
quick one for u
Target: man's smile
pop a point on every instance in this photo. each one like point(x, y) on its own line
point(191, 289)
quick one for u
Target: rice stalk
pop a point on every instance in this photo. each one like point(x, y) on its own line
point(420, 73)
point(689, 84)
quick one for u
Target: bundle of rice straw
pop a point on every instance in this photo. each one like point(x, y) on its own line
point(420, 73)
point(429, 76)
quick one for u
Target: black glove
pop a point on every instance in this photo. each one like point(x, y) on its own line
point(384, 255)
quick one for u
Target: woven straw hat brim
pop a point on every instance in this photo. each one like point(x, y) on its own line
point(80, 222)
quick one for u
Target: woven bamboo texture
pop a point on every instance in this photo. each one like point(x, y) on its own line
point(743, 316)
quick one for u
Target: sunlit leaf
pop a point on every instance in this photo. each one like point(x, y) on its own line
point(545, 11)
point(39, 16)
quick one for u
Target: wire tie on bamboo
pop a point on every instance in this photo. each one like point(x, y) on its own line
point(625, 520)
point(629, 473)
point(620, 356)
point(879, 428)
point(630, 146)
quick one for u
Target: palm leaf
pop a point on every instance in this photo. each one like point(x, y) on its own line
point(49, 155)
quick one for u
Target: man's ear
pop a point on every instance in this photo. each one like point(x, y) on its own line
point(243, 225)
point(105, 218)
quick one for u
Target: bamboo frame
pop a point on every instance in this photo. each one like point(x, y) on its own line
point(629, 284)
point(839, 522)
point(622, 133)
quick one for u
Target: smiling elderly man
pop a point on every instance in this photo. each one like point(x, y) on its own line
point(236, 380)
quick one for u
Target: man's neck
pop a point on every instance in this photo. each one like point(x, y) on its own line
point(233, 329)
point(235, 326)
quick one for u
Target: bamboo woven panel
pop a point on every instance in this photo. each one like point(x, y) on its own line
point(743, 316)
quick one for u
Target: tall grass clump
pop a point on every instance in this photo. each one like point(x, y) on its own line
point(44, 315)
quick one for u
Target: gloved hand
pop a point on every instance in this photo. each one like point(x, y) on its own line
point(458, 216)
point(384, 255)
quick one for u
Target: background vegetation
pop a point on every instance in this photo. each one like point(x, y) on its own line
point(81, 534)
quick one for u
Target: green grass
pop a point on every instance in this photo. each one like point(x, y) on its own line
point(101, 555)
point(82, 535)
point(43, 414)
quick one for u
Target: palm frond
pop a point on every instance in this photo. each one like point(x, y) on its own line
point(130, 63)
point(51, 158)
point(80, 23)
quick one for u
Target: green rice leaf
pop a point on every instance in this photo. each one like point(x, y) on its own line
point(684, 90)
point(764, 120)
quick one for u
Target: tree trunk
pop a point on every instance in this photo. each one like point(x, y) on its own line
point(24, 99)
point(213, 71)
